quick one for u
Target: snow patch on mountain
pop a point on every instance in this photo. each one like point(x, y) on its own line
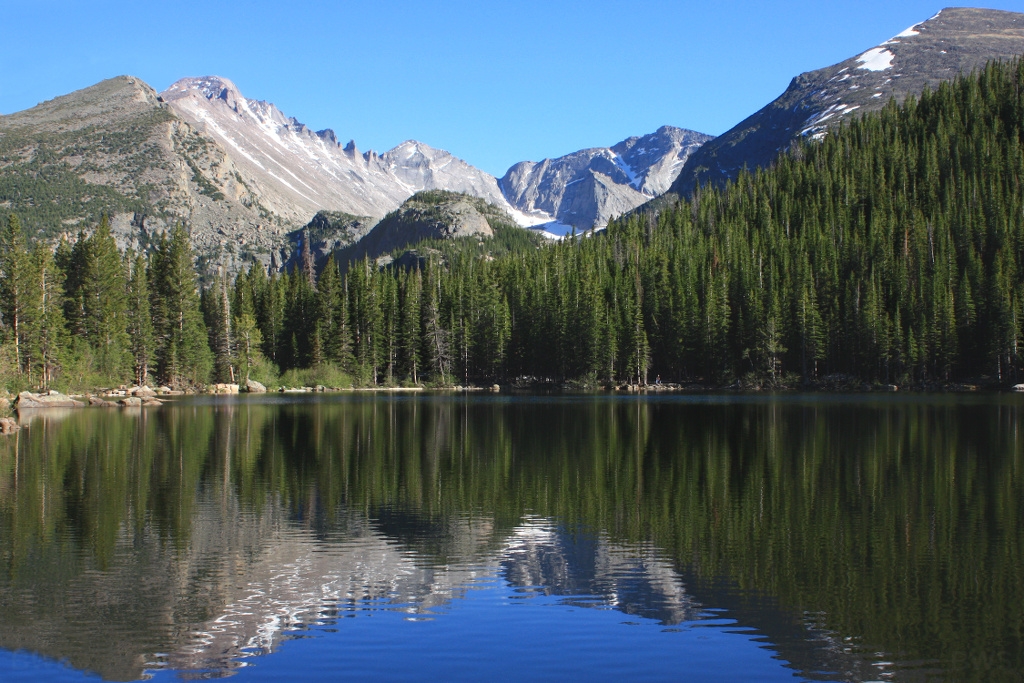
point(876, 59)
point(588, 188)
point(634, 179)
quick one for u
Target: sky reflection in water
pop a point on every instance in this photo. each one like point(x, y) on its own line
point(755, 539)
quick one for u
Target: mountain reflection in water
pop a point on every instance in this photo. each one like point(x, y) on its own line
point(858, 538)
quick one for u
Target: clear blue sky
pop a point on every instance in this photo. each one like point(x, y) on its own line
point(493, 82)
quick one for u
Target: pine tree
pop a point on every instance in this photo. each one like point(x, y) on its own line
point(15, 279)
point(247, 347)
point(216, 306)
point(182, 349)
point(139, 320)
point(45, 330)
point(103, 296)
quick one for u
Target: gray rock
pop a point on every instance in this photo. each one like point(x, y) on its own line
point(587, 188)
point(28, 400)
point(131, 402)
point(428, 215)
point(254, 387)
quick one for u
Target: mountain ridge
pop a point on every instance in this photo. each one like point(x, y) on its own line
point(956, 40)
point(243, 175)
point(605, 181)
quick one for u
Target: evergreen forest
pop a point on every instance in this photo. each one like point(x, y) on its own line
point(892, 251)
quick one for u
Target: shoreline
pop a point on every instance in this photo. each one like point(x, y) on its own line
point(132, 397)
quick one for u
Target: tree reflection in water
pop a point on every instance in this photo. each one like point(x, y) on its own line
point(839, 528)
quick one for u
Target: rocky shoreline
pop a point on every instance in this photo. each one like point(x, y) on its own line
point(149, 397)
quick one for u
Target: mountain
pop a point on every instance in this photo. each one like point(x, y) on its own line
point(115, 149)
point(300, 172)
point(245, 178)
point(587, 188)
point(327, 233)
point(954, 41)
point(429, 215)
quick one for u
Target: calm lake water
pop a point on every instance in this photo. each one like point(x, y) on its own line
point(703, 538)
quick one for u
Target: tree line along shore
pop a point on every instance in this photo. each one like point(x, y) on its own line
point(890, 253)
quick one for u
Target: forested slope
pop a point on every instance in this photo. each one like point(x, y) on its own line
point(891, 251)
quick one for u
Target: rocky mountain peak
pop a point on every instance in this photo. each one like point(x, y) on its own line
point(91, 106)
point(586, 189)
point(208, 87)
point(328, 136)
point(296, 172)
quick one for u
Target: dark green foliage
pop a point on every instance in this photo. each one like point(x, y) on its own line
point(15, 301)
point(182, 351)
point(96, 292)
point(215, 303)
point(47, 339)
point(86, 315)
point(37, 182)
point(140, 322)
point(891, 251)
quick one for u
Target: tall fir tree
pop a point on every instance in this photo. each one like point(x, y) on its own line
point(182, 350)
point(139, 321)
point(15, 283)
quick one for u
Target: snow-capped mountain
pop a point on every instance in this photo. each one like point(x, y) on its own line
point(954, 41)
point(298, 172)
point(243, 176)
point(587, 188)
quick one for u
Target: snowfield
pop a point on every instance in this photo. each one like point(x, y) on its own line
point(876, 59)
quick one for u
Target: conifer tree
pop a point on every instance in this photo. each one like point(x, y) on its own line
point(216, 306)
point(15, 283)
point(103, 296)
point(139, 320)
point(45, 330)
point(182, 349)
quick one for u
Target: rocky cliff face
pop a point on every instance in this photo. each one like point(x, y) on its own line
point(299, 171)
point(585, 189)
point(237, 172)
point(954, 41)
point(432, 215)
point(327, 233)
point(244, 177)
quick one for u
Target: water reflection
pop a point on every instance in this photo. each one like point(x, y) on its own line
point(860, 539)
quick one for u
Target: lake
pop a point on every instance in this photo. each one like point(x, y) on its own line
point(498, 537)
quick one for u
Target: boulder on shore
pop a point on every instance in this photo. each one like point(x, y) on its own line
point(131, 402)
point(53, 399)
point(99, 402)
point(254, 387)
point(223, 388)
point(8, 425)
